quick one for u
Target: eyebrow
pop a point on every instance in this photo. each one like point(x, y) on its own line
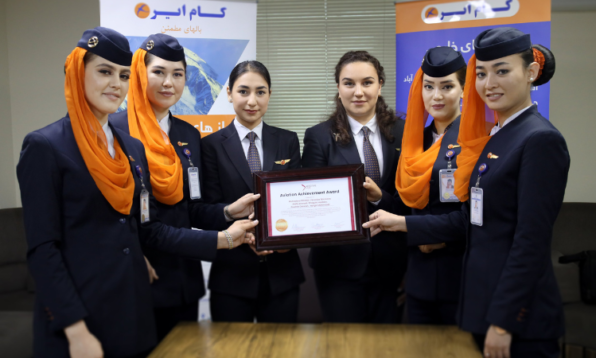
point(260, 87)
point(106, 65)
point(446, 81)
point(495, 65)
point(366, 78)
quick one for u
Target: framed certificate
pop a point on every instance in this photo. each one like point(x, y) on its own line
point(310, 207)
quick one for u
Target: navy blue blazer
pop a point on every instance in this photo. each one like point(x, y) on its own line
point(388, 250)
point(227, 178)
point(436, 276)
point(180, 279)
point(508, 277)
point(86, 257)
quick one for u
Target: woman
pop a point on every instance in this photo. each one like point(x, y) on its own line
point(424, 181)
point(173, 150)
point(86, 194)
point(245, 284)
point(359, 283)
point(516, 178)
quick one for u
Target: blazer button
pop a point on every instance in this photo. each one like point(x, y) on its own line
point(122, 221)
point(126, 251)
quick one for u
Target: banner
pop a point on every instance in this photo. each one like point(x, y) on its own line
point(216, 36)
point(421, 25)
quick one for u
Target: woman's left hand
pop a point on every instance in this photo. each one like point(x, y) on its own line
point(381, 220)
point(244, 206)
point(373, 192)
point(497, 344)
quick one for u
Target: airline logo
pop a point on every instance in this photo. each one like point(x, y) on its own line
point(142, 10)
point(469, 10)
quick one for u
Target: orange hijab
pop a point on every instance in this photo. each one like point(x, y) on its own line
point(164, 163)
point(473, 134)
point(415, 165)
point(113, 177)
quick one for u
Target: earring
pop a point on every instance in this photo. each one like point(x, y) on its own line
point(531, 79)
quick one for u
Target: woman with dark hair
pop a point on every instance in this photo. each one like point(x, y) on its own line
point(173, 149)
point(515, 176)
point(424, 181)
point(245, 284)
point(359, 283)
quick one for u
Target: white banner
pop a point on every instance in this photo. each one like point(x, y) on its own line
point(216, 36)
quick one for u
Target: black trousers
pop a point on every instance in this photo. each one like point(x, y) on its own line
point(524, 348)
point(430, 312)
point(281, 308)
point(166, 318)
point(363, 300)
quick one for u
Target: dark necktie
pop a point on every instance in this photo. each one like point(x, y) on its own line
point(254, 161)
point(371, 163)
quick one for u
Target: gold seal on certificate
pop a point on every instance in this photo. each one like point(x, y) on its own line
point(310, 207)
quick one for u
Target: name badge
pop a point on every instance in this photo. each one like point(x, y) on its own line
point(476, 206)
point(145, 206)
point(447, 186)
point(194, 186)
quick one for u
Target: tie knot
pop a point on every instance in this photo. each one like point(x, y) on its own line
point(366, 131)
point(251, 136)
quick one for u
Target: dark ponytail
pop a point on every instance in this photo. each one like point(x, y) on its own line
point(548, 70)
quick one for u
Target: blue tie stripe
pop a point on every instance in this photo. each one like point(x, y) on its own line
point(371, 162)
point(254, 161)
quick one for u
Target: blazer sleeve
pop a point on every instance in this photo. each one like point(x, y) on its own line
point(541, 186)
point(188, 243)
point(436, 229)
point(41, 186)
point(312, 153)
point(213, 192)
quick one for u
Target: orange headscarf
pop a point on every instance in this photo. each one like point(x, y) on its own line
point(113, 177)
point(164, 164)
point(415, 165)
point(473, 134)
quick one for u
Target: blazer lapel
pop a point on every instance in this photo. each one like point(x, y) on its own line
point(349, 151)
point(388, 154)
point(270, 147)
point(233, 148)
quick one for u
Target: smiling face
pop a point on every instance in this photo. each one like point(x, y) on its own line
point(504, 84)
point(165, 84)
point(441, 96)
point(359, 89)
point(106, 85)
point(250, 97)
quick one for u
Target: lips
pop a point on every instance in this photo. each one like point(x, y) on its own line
point(438, 107)
point(112, 96)
point(166, 94)
point(494, 96)
point(359, 103)
point(249, 111)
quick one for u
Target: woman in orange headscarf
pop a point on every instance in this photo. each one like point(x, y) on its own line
point(516, 177)
point(86, 194)
point(173, 149)
point(424, 181)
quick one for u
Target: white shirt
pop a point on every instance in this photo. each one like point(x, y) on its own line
point(165, 125)
point(110, 137)
point(436, 136)
point(374, 137)
point(514, 116)
point(243, 131)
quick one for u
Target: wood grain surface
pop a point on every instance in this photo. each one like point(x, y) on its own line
point(248, 340)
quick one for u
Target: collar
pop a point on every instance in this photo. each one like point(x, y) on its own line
point(496, 128)
point(434, 129)
point(164, 123)
point(243, 131)
point(357, 127)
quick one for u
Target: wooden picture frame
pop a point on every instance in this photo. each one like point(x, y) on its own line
point(357, 196)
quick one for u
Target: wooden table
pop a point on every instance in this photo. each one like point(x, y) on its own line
point(247, 340)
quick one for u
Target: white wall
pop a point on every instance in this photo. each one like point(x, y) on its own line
point(8, 192)
point(36, 36)
point(573, 90)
